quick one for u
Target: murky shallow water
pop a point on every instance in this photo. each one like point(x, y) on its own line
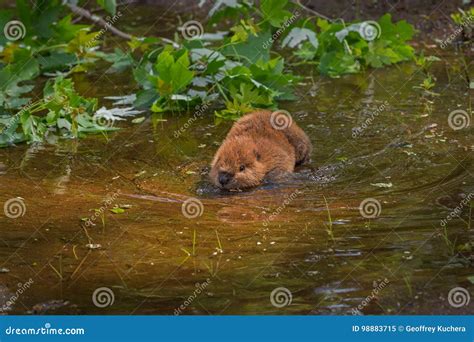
point(154, 259)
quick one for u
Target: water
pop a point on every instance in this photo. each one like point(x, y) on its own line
point(307, 235)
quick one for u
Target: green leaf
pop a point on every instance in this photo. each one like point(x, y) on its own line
point(240, 34)
point(57, 61)
point(5, 17)
point(65, 29)
point(109, 5)
point(119, 59)
point(323, 24)
point(306, 52)
point(117, 210)
point(399, 32)
point(248, 93)
point(250, 51)
point(138, 120)
point(335, 64)
point(83, 41)
point(274, 11)
point(42, 23)
point(163, 66)
point(272, 75)
point(11, 76)
point(33, 127)
point(182, 76)
point(234, 110)
point(173, 76)
point(145, 98)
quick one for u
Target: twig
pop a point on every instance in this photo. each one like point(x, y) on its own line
point(87, 234)
point(98, 21)
point(83, 13)
point(80, 264)
point(100, 9)
point(298, 2)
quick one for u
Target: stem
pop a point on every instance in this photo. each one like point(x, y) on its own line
point(82, 12)
point(329, 230)
point(221, 91)
point(51, 47)
point(98, 21)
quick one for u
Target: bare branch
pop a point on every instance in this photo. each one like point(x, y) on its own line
point(98, 21)
point(83, 13)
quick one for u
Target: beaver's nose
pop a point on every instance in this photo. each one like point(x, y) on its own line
point(224, 177)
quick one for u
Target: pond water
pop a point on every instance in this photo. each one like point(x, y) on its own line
point(302, 247)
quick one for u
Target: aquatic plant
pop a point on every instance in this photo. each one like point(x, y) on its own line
point(235, 70)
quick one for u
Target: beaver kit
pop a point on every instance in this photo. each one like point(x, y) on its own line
point(262, 145)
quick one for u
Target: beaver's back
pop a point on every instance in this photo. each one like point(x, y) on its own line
point(261, 125)
point(257, 124)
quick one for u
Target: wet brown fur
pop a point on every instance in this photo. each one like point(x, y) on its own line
point(263, 151)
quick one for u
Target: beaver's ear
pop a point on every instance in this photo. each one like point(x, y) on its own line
point(257, 155)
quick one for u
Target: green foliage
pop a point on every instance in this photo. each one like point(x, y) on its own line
point(109, 5)
point(274, 11)
point(425, 62)
point(464, 18)
point(12, 77)
point(176, 79)
point(62, 112)
point(51, 44)
point(429, 82)
point(343, 49)
point(237, 71)
point(173, 72)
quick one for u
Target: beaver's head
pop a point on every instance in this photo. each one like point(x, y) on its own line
point(237, 164)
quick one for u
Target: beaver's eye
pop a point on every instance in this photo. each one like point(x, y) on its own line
point(242, 168)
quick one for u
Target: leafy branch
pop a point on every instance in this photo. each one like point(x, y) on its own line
point(239, 69)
